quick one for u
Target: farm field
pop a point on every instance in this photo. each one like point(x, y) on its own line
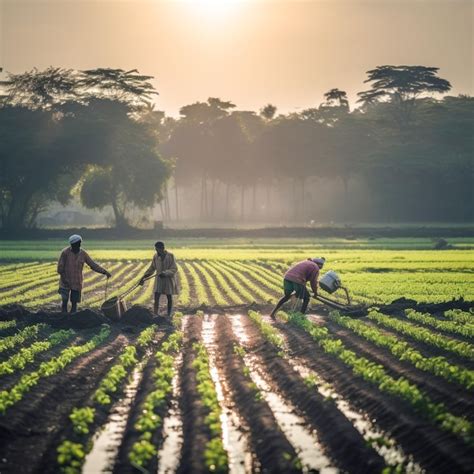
point(229, 272)
point(222, 387)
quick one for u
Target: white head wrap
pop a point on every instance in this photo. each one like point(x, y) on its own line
point(319, 260)
point(75, 238)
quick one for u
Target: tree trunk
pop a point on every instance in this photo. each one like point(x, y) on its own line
point(227, 196)
point(345, 182)
point(254, 200)
point(293, 211)
point(303, 198)
point(16, 216)
point(267, 204)
point(176, 199)
point(120, 221)
point(206, 200)
point(202, 196)
point(213, 197)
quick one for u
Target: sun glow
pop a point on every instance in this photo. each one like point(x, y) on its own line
point(213, 7)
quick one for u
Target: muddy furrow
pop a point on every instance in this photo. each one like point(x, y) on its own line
point(457, 399)
point(107, 438)
point(196, 434)
point(122, 463)
point(435, 450)
point(235, 441)
point(268, 443)
point(428, 349)
point(341, 441)
point(168, 455)
point(34, 423)
point(386, 446)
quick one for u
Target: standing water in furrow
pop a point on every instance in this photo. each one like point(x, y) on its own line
point(305, 442)
point(107, 441)
point(235, 442)
point(168, 454)
point(385, 445)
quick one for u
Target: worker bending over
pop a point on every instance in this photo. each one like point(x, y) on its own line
point(295, 280)
point(166, 282)
point(70, 268)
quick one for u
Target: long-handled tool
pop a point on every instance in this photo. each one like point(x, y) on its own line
point(114, 307)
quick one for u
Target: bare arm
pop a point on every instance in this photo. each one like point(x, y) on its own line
point(95, 266)
point(314, 283)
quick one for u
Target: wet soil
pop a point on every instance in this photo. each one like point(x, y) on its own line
point(122, 464)
point(341, 440)
point(267, 439)
point(456, 398)
point(196, 433)
point(29, 429)
point(435, 450)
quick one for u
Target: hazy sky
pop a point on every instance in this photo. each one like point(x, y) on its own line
point(284, 52)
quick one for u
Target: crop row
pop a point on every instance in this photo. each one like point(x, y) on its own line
point(7, 324)
point(405, 352)
point(233, 281)
point(421, 334)
point(463, 329)
point(267, 330)
point(72, 454)
point(461, 317)
point(212, 285)
point(377, 375)
point(215, 456)
point(30, 332)
point(27, 355)
point(149, 420)
point(48, 368)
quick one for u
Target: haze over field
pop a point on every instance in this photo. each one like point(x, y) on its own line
point(288, 53)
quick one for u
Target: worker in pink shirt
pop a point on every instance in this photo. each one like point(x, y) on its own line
point(295, 280)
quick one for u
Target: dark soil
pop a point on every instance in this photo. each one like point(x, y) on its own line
point(196, 433)
point(268, 441)
point(342, 441)
point(437, 451)
point(457, 399)
point(30, 427)
point(122, 464)
point(428, 349)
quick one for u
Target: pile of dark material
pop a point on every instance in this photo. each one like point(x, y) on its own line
point(399, 305)
point(83, 319)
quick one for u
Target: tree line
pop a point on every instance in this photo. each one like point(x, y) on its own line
point(96, 135)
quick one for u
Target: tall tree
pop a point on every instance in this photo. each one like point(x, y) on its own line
point(401, 86)
point(41, 89)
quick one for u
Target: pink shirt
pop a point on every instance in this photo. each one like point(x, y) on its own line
point(302, 272)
